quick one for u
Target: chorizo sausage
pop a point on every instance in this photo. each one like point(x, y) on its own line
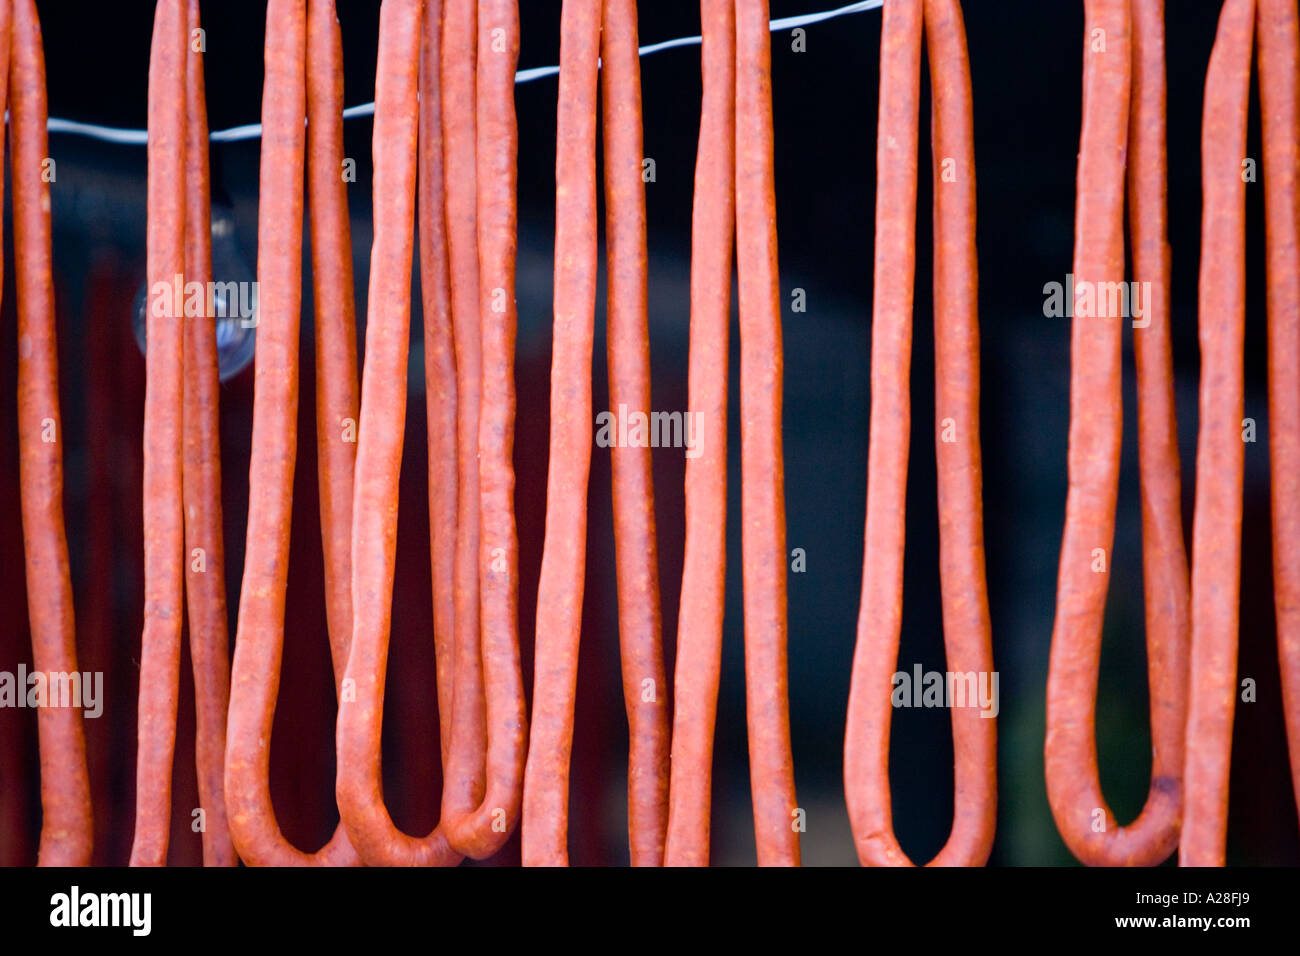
point(866, 742)
point(164, 541)
point(482, 832)
point(967, 631)
point(205, 576)
point(1164, 560)
point(259, 639)
point(1220, 453)
point(379, 452)
point(763, 552)
point(66, 825)
point(699, 624)
point(957, 450)
point(464, 770)
point(439, 365)
point(1279, 93)
point(628, 350)
point(560, 588)
point(335, 327)
point(1074, 787)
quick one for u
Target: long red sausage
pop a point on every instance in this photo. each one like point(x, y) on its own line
point(336, 326)
point(559, 591)
point(1220, 452)
point(1279, 93)
point(379, 453)
point(13, 801)
point(1074, 789)
point(961, 537)
point(967, 631)
point(205, 576)
point(439, 364)
point(1164, 558)
point(259, 641)
point(628, 350)
point(66, 825)
point(866, 742)
point(164, 535)
point(763, 551)
point(482, 832)
point(699, 624)
point(464, 769)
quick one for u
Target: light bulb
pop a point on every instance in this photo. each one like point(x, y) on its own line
point(232, 296)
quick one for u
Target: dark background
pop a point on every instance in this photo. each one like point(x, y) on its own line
point(1026, 65)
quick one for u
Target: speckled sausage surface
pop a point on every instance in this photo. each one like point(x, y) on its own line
point(967, 637)
point(1220, 452)
point(967, 631)
point(205, 553)
point(628, 348)
point(164, 533)
point(880, 610)
point(560, 589)
point(439, 364)
point(1164, 552)
point(1279, 92)
point(482, 832)
point(1082, 815)
point(337, 400)
point(699, 620)
point(66, 824)
point(767, 706)
point(259, 641)
point(379, 453)
point(464, 770)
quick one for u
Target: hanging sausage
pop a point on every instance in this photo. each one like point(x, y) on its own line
point(66, 825)
point(967, 638)
point(699, 622)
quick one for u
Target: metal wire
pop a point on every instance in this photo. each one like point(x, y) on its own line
point(138, 137)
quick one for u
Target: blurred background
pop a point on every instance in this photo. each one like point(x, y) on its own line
point(1026, 65)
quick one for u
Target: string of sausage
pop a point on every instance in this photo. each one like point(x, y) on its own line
point(335, 311)
point(866, 741)
point(13, 800)
point(1164, 550)
point(762, 478)
point(259, 640)
point(967, 630)
point(66, 826)
point(1220, 453)
point(699, 625)
point(379, 453)
point(164, 541)
point(1279, 93)
point(1073, 781)
point(205, 577)
point(482, 832)
point(560, 588)
point(464, 769)
point(439, 365)
point(957, 450)
point(628, 350)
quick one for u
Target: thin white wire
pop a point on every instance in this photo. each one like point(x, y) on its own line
point(138, 137)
